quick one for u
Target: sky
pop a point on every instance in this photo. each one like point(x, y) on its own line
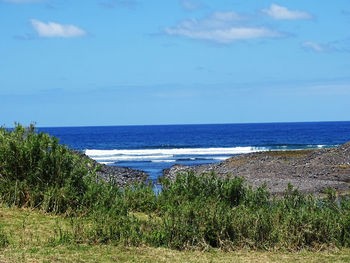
point(141, 62)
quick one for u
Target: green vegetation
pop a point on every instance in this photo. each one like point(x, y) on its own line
point(31, 232)
point(36, 171)
point(190, 213)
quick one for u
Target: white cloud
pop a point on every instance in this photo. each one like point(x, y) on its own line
point(283, 13)
point(225, 35)
point(310, 45)
point(229, 16)
point(221, 27)
point(52, 29)
point(190, 5)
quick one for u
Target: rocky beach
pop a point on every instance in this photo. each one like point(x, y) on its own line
point(311, 171)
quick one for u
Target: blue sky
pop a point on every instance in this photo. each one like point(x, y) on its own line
point(126, 62)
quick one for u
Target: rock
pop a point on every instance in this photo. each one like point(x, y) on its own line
point(311, 171)
point(121, 176)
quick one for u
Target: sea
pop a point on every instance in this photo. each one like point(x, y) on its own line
point(153, 148)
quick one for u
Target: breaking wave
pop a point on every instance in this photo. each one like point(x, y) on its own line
point(169, 155)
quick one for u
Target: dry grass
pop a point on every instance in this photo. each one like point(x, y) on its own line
point(236, 162)
point(152, 255)
point(26, 227)
point(344, 166)
point(29, 232)
point(289, 154)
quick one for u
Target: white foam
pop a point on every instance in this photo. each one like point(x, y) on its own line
point(167, 155)
point(131, 157)
point(107, 163)
point(221, 158)
point(176, 151)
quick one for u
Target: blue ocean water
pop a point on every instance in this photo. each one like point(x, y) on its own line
point(154, 148)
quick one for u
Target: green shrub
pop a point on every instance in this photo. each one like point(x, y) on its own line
point(36, 171)
point(140, 197)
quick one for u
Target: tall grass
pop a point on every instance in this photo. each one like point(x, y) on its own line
point(190, 211)
point(36, 171)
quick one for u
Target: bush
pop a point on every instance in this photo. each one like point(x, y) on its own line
point(36, 171)
point(210, 211)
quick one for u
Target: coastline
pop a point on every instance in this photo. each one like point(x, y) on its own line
point(310, 171)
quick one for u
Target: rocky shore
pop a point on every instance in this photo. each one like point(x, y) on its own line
point(311, 171)
point(121, 176)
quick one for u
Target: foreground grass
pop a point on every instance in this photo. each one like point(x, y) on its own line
point(32, 236)
point(122, 254)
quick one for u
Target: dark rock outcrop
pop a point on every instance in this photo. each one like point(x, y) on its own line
point(121, 176)
point(311, 171)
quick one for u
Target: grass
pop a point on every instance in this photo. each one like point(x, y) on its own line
point(236, 162)
point(286, 155)
point(27, 226)
point(145, 254)
point(289, 153)
point(344, 166)
point(30, 232)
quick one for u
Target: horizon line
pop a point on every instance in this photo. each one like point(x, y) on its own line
point(185, 124)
